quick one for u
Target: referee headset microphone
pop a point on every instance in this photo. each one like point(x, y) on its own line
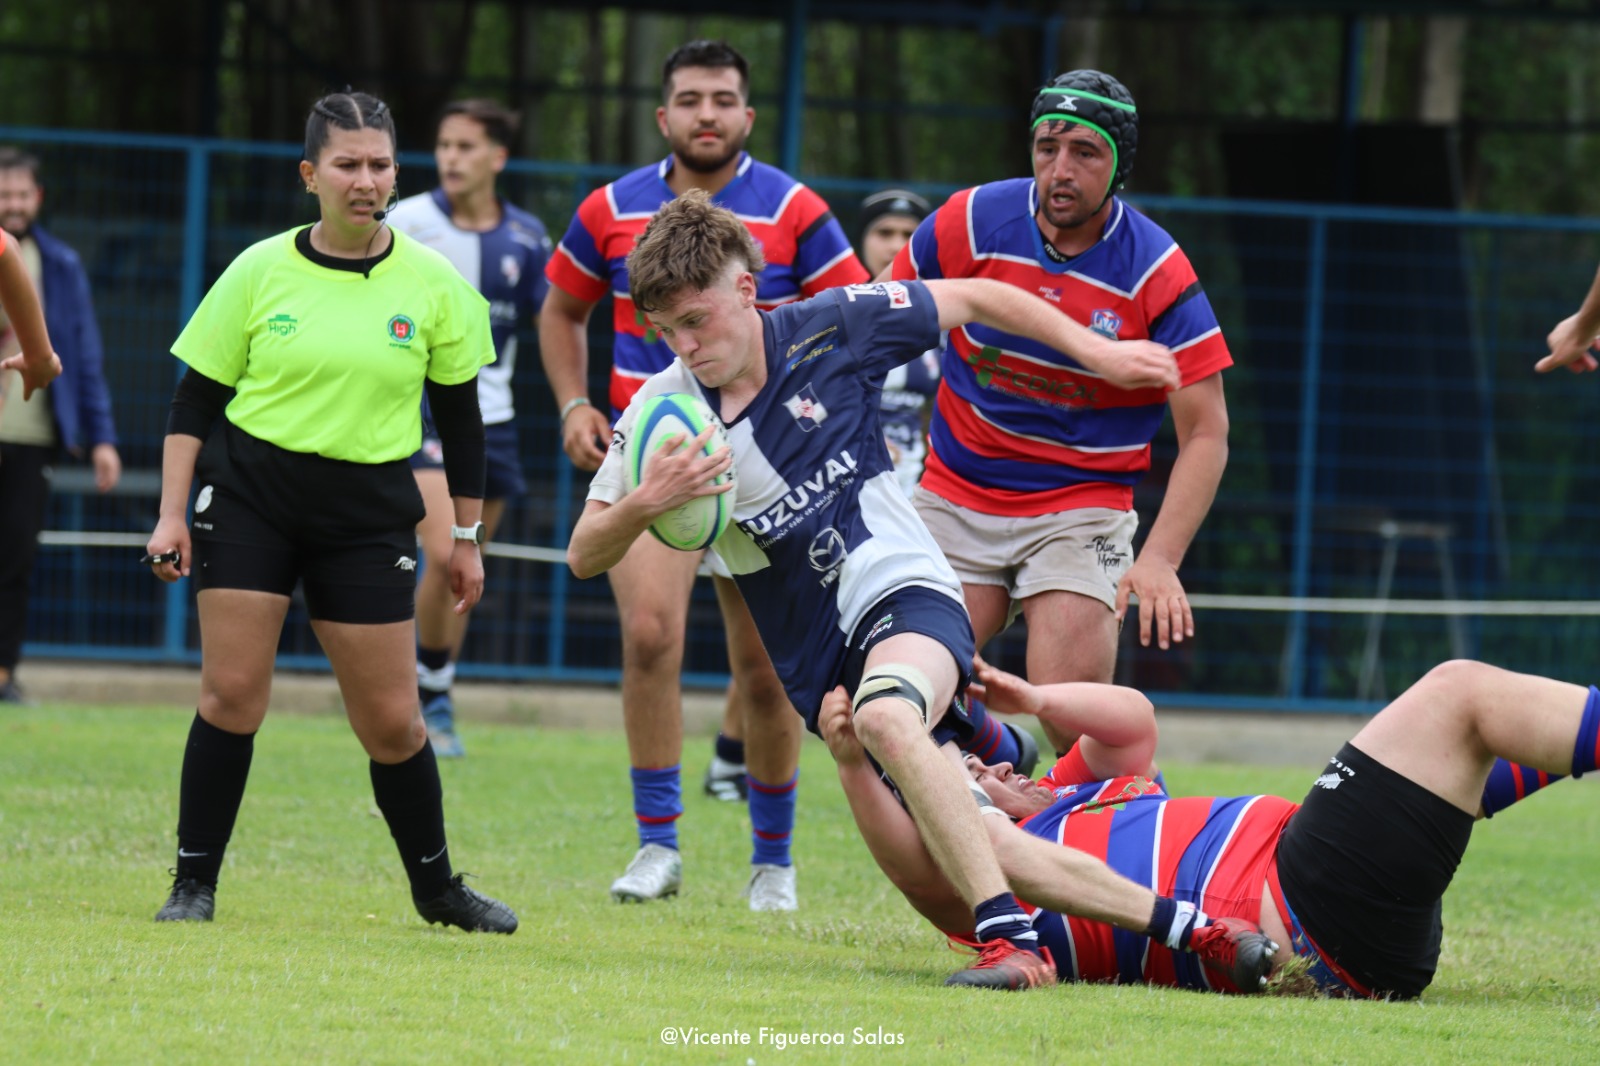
point(378, 217)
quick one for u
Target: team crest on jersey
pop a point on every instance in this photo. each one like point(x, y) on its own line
point(808, 411)
point(1106, 323)
point(401, 329)
point(510, 269)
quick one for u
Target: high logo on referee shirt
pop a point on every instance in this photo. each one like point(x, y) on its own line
point(401, 329)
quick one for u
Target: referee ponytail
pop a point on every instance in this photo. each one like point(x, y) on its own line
point(348, 110)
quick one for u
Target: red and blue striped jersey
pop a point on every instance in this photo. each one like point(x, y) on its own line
point(805, 248)
point(1214, 852)
point(1019, 428)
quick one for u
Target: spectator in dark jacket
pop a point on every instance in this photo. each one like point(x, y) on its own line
point(73, 415)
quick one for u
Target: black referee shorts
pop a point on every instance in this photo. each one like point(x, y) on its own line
point(1364, 864)
point(266, 517)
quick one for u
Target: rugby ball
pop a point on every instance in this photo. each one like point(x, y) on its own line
point(697, 523)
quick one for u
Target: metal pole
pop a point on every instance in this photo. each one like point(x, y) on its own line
point(794, 86)
point(1293, 679)
point(197, 198)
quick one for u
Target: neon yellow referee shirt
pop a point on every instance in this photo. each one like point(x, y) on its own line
point(330, 362)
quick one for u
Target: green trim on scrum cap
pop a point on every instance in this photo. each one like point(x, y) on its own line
point(1118, 104)
point(1110, 140)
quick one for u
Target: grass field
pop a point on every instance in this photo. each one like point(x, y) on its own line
point(317, 956)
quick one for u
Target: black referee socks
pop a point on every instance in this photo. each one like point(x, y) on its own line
point(216, 765)
point(412, 801)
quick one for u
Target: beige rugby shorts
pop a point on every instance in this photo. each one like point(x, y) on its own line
point(1085, 550)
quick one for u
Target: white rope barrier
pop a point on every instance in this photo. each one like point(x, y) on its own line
point(1200, 600)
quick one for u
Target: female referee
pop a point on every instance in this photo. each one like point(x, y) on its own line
point(315, 346)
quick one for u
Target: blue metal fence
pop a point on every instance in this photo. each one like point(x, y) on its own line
point(1389, 438)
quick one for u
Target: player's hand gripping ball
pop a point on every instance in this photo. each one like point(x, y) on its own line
point(697, 523)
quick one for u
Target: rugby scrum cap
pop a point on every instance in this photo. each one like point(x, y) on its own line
point(892, 202)
point(1100, 102)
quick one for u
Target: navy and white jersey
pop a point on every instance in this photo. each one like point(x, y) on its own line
point(821, 529)
point(906, 392)
point(506, 264)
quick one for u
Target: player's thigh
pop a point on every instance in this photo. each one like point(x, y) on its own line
point(434, 529)
point(1071, 637)
point(375, 665)
point(1443, 731)
point(747, 655)
point(652, 583)
point(239, 631)
point(990, 609)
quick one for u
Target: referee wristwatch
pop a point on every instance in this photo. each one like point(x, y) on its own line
point(474, 533)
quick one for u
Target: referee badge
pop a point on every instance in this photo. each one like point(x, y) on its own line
point(401, 329)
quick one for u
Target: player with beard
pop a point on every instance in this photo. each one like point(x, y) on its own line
point(706, 118)
point(1029, 480)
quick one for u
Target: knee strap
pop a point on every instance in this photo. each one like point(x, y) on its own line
point(900, 681)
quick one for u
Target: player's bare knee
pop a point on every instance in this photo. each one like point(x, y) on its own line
point(651, 640)
point(757, 681)
point(1454, 684)
point(393, 738)
point(232, 697)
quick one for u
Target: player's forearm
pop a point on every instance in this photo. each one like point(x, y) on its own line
point(178, 453)
point(1114, 716)
point(1191, 489)
point(564, 350)
point(604, 534)
point(1069, 881)
point(22, 307)
point(1587, 321)
point(896, 846)
point(1006, 307)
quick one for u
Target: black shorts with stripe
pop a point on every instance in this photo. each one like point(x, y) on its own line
point(266, 517)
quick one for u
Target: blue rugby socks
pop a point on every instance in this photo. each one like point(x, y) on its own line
point(771, 820)
point(992, 740)
point(1510, 783)
point(1001, 918)
point(1173, 922)
point(658, 804)
point(730, 749)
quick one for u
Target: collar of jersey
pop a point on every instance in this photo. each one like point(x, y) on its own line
point(442, 202)
point(302, 244)
point(1045, 261)
point(745, 162)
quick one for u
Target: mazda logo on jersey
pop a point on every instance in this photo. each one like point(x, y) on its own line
point(808, 411)
point(826, 553)
point(401, 329)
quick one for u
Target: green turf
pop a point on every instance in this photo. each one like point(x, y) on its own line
point(316, 955)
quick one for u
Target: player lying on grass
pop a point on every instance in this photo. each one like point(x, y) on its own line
point(1350, 880)
point(844, 582)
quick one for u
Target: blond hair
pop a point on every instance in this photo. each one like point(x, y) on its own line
point(689, 244)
